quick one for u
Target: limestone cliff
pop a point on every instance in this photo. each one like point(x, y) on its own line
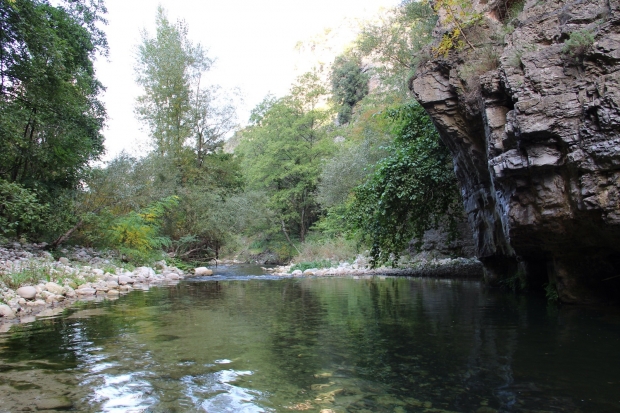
point(536, 145)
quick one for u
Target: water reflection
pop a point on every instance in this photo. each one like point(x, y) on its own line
point(343, 345)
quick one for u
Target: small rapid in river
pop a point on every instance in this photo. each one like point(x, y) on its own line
point(242, 341)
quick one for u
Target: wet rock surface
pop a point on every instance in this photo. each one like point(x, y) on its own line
point(537, 149)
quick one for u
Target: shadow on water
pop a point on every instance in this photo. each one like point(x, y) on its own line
point(241, 341)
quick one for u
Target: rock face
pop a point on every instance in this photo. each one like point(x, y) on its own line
point(537, 149)
point(440, 243)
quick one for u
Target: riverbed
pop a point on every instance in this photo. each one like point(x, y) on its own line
point(244, 341)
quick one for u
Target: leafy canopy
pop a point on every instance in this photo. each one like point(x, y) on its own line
point(50, 114)
point(283, 150)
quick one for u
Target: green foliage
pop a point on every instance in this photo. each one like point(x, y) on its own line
point(396, 43)
point(136, 235)
point(178, 111)
point(349, 85)
point(303, 266)
point(282, 152)
point(31, 272)
point(551, 292)
point(411, 190)
point(50, 115)
point(578, 43)
point(515, 282)
point(20, 210)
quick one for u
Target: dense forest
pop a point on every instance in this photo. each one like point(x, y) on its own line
point(346, 162)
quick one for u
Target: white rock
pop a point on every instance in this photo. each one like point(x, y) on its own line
point(113, 292)
point(201, 271)
point(27, 292)
point(63, 260)
point(145, 272)
point(311, 271)
point(297, 272)
point(97, 272)
point(125, 279)
point(54, 288)
point(6, 311)
point(86, 291)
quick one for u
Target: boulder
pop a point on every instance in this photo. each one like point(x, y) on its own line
point(27, 292)
point(297, 273)
point(311, 271)
point(63, 260)
point(125, 279)
point(54, 288)
point(145, 272)
point(6, 311)
point(202, 271)
point(86, 291)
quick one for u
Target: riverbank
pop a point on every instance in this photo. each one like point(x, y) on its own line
point(33, 283)
point(465, 268)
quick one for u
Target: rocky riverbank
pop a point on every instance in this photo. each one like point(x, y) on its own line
point(35, 284)
point(437, 268)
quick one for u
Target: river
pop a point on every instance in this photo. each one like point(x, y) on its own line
point(247, 342)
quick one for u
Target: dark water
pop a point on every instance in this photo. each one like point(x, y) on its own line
point(237, 343)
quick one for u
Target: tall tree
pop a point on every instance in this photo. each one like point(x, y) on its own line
point(349, 85)
point(50, 114)
point(167, 67)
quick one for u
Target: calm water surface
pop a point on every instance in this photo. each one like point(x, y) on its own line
point(242, 343)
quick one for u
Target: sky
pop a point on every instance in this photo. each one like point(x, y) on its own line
point(253, 42)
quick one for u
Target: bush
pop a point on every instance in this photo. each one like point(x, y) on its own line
point(578, 43)
point(20, 210)
point(136, 235)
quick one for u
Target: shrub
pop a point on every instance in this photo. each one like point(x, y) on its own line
point(20, 209)
point(578, 43)
point(136, 235)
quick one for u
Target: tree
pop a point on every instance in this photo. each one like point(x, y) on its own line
point(50, 114)
point(178, 110)
point(283, 150)
point(349, 85)
point(167, 67)
point(396, 44)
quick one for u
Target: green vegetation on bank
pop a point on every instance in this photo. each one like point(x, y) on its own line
point(334, 168)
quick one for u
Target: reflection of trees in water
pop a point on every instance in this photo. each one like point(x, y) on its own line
point(383, 341)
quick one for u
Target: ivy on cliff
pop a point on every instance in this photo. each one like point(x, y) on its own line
point(412, 189)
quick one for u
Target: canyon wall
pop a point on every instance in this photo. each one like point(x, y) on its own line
point(536, 144)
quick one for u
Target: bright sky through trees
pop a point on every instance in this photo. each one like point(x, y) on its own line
point(253, 42)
